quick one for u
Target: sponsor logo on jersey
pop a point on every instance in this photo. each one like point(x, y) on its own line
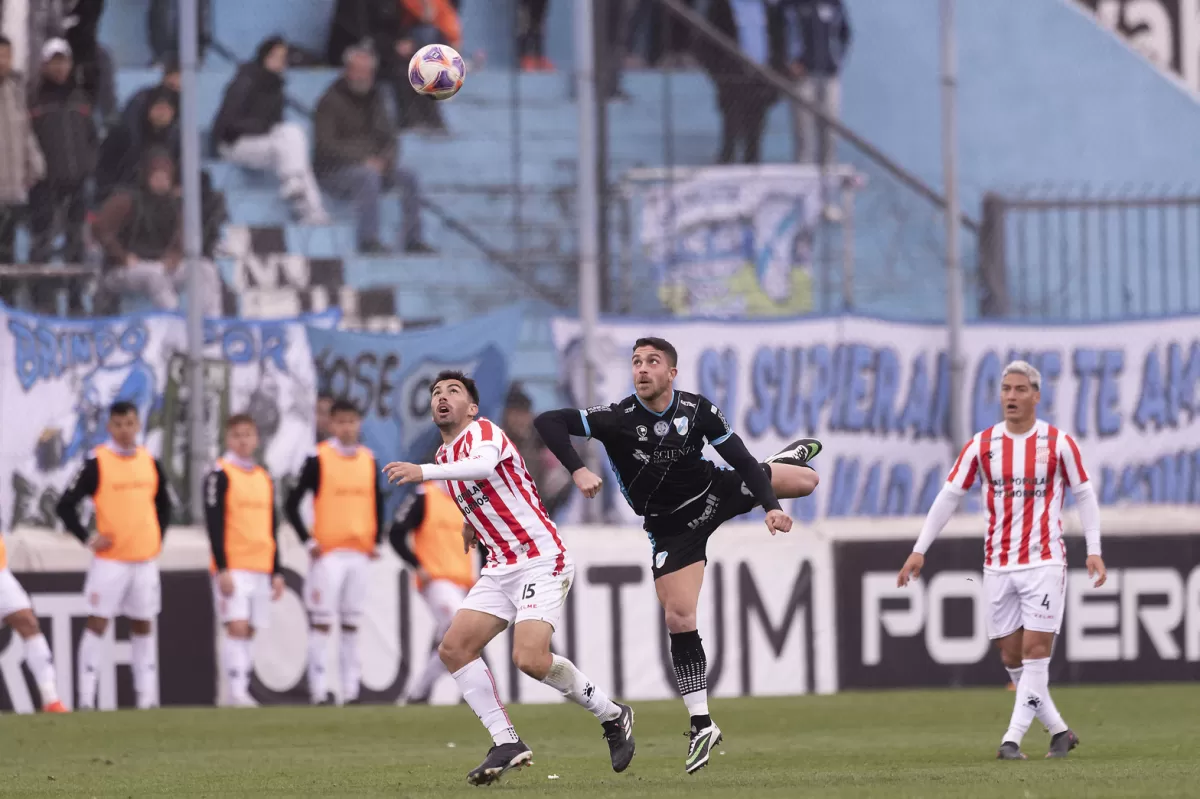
point(660, 559)
point(643, 433)
point(630, 409)
point(661, 428)
point(641, 456)
point(598, 409)
point(687, 404)
point(710, 508)
point(681, 424)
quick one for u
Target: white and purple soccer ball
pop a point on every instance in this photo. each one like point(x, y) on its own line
point(437, 71)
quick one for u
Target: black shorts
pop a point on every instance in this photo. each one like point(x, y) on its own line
point(680, 538)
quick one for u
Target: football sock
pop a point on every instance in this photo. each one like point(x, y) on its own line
point(1031, 693)
point(478, 688)
point(691, 673)
point(41, 665)
point(434, 669)
point(88, 676)
point(318, 687)
point(1014, 675)
point(574, 685)
point(351, 667)
point(237, 655)
point(145, 669)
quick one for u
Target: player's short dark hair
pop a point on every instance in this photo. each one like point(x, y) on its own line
point(343, 405)
point(5, 41)
point(323, 396)
point(451, 374)
point(240, 419)
point(660, 344)
point(122, 408)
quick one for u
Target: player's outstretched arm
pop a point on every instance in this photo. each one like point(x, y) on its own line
point(556, 429)
point(944, 506)
point(484, 459)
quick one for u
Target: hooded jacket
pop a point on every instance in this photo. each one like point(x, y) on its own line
point(136, 221)
point(253, 101)
point(127, 145)
point(62, 121)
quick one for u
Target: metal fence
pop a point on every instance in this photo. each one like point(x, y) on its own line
point(1047, 255)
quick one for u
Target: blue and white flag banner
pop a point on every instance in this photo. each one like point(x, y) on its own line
point(58, 378)
point(388, 375)
point(877, 394)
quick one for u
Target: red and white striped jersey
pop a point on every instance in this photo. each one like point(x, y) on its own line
point(1023, 478)
point(505, 509)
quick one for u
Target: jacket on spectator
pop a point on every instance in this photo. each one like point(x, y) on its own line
point(350, 128)
point(126, 145)
point(136, 221)
point(253, 104)
point(820, 31)
point(66, 132)
point(21, 162)
point(137, 106)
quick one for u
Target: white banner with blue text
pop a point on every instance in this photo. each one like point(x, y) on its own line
point(877, 394)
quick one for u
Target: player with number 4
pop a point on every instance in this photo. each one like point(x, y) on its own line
point(1022, 464)
point(524, 581)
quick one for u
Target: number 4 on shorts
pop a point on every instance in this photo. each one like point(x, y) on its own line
point(1046, 601)
point(527, 592)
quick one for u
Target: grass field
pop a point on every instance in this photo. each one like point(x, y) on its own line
point(1136, 741)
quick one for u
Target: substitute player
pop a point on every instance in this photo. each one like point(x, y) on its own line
point(17, 613)
point(239, 512)
point(429, 539)
point(132, 500)
point(1022, 464)
point(655, 439)
point(347, 529)
point(524, 581)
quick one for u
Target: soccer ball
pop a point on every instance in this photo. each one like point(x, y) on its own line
point(437, 71)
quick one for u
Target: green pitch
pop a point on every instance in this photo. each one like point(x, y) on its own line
point(1137, 741)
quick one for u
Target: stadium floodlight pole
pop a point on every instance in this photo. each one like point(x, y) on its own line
point(588, 202)
point(189, 124)
point(954, 277)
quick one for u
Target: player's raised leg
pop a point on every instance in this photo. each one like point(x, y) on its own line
point(791, 476)
point(679, 595)
point(460, 650)
point(531, 654)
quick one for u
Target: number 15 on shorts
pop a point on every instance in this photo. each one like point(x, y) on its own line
point(528, 591)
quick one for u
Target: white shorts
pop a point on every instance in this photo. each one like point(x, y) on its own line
point(12, 596)
point(444, 598)
point(337, 587)
point(1029, 598)
point(531, 592)
point(251, 599)
point(116, 588)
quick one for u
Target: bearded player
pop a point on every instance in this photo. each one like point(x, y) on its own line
point(655, 440)
point(524, 581)
point(1022, 465)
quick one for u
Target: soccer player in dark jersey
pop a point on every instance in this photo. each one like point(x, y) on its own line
point(655, 440)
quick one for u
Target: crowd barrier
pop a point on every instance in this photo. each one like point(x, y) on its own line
point(814, 611)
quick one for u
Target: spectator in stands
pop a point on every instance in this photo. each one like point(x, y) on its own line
point(94, 69)
point(531, 36)
point(818, 34)
point(135, 110)
point(356, 153)
point(66, 132)
point(141, 232)
point(249, 131)
point(743, 98)
point(554, 485)
point(126, 145)
point(21, 162)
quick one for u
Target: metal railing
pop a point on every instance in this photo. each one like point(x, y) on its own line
point(1090, 257)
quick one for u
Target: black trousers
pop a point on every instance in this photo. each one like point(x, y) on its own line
point(743, 121)
point(57, 208)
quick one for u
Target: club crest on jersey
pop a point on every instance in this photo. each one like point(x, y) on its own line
point(681, 424)
point(643, 433)
point(660, 559)
point(661, 429)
